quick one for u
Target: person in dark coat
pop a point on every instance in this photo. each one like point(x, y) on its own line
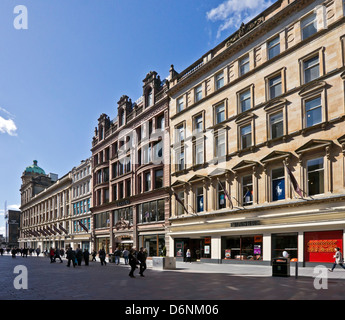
point(79, 255)
point(57, 255)
point(94, 253)
point(86, 256)
point(70, 257)
point(101, 255)
point(142, 255)
point(132, 262)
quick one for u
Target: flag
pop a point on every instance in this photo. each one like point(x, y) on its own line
point(294, 182)
point(180, 202)
point(56, 229)
point(226, 194)
point(63, 229)
point(83, 226)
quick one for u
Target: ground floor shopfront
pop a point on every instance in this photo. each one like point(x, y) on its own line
point(309, 236)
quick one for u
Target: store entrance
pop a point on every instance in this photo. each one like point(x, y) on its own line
point(196, 247)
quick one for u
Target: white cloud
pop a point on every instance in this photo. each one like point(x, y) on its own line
point(8, 126)
point(231, 13)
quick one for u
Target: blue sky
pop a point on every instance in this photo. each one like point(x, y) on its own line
point(78, 57)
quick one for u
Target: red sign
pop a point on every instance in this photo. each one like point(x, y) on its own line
point(319, 246)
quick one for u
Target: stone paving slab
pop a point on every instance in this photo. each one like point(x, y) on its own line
point(189, 282)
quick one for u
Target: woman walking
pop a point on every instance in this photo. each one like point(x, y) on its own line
point(338, 259)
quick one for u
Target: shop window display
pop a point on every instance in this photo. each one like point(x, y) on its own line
point(242, 247)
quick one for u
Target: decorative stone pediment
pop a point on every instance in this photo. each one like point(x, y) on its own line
point(247, 116)
point(219, 172)
point(314, 145)
point(178, 183)
point(276, 156)
point(245, 164)
point(196, 177)
point(313, 87)
point(275, 103)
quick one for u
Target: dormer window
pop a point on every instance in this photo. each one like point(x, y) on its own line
point(149, 98)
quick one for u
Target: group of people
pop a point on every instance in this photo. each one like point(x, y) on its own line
point(137, 258)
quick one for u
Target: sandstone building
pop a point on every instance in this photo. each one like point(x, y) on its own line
point(264, 107)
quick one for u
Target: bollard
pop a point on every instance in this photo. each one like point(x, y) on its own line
point(296, 269)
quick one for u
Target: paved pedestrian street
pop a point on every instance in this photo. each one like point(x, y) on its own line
point(55, 281)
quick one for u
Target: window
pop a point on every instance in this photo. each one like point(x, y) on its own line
point(149, 98)
point(128, 188)
point(309, 26)
point(180, 160)
point(121, 195)
point(198, 93)
point(180, 104)
point(245, 100)
point(276, 125)
point(220, 145)
point(244, 65)
point(115, 192)
point(198, 124)
point(273, 47)
point(219, 80)
point(313, 112)
point(151, 211)
point(315, 173)
point(275, 87)
point(219, 114)
point(180, 209)
point(247, 190)
point(246, 136)
point(158, 179)
point(311, 69)
point(278, 184)
point(199, 152)
point(199, 199)
point(221, 201)
point(147, 181)
point(179, 133)
point(160, 122)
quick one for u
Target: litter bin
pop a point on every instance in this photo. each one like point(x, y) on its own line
point(281, 267)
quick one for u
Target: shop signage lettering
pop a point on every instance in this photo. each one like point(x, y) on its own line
point(123, 203)
point(245, 224)
point(322, 245)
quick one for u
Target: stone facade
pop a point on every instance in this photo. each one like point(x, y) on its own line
point(267, 101)
point(131, 174)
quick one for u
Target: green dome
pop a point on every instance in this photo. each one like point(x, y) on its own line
point(35, 168)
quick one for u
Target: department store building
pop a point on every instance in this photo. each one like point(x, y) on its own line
point(258, 140)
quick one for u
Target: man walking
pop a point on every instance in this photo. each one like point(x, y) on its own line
point(101, 255)
point(132, 262)
point(338, 259)
point(142, 255)
point(86, 255)
point(117, 255)
point(70, 257)
point(57, 255)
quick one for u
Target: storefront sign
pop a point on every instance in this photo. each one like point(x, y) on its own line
point(206, 249)
point(123, 203)
point(257, 249)
point(245, 224)
point(227, 254)
point(208, 240)
point(322, 245)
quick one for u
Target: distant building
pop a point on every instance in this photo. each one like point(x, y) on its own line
point(13, 224)
point(55, 211)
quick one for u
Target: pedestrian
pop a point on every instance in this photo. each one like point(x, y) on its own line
point(79, 255)
point(57, 255)
point(70, 254)
point(38, 251)
point(125, 255)
point(188, 256)
point(86, 256)
point(338, 259)
point(94, 253)
point(25, 252)
point(132, 262)
point(51, 255)
point(14, 252)
point(117, 254)
point(101, 255)
point(142, 255)
point(2, 251)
